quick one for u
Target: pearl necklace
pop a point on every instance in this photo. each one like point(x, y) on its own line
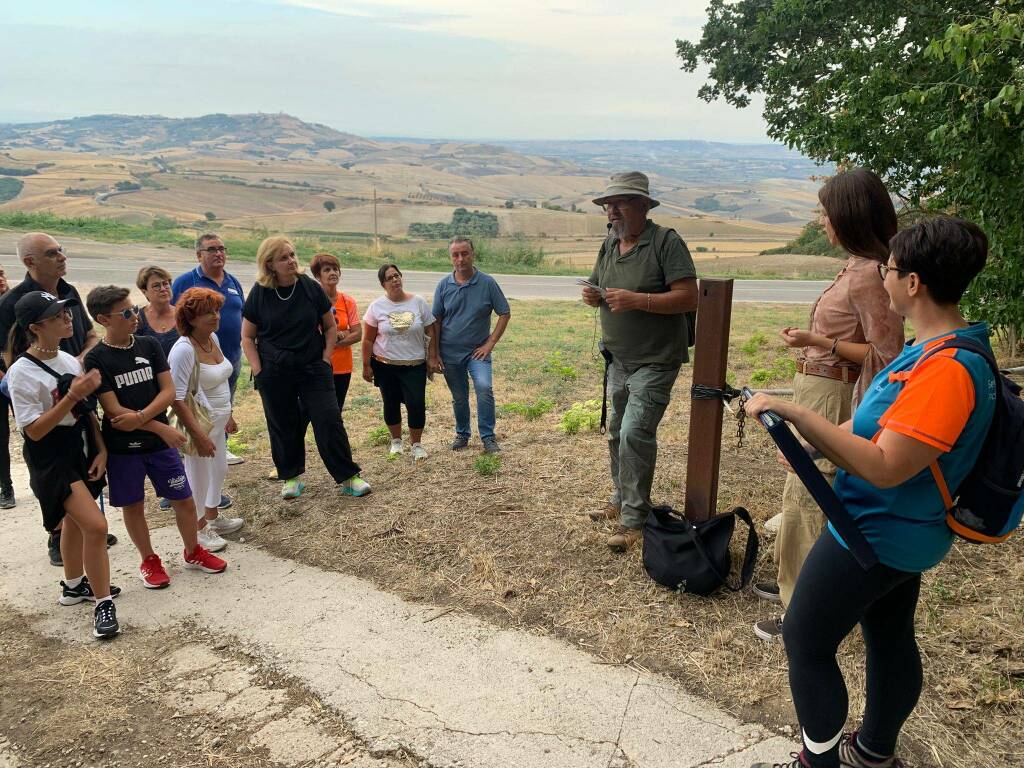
point(129, 345)
point(44, 349)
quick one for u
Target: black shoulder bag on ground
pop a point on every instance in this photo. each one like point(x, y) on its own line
point(694, 557)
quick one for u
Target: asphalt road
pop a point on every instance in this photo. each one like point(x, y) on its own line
point(92, 263)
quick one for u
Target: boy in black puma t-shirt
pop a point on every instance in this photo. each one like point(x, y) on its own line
point(135, 391)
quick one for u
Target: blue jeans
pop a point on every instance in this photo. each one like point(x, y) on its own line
point(455, 374)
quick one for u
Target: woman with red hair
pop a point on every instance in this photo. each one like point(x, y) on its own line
point(198, 366)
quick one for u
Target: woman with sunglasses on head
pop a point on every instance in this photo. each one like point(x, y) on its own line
point(157, 318)
point(64, 451)
point(395, 356)
point(920, 420)
point(288, 335)
point(852, 334)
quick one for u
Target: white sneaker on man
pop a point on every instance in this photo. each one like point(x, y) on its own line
point(233, 459)
point(397, 448)
point(221, 525)
point(210, 541)
point(418, 452)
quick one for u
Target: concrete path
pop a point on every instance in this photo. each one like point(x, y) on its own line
point(449, 688)
point(92, 263)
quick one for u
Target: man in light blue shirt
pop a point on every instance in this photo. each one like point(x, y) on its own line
point(463, 303)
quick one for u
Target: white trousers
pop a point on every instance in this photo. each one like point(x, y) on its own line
point(206, 475)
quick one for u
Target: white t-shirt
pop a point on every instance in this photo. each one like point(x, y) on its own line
point(399, 325)
point(34, 391)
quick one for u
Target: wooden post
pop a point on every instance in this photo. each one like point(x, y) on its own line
point(711, 356)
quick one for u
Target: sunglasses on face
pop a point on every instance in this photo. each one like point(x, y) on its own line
point(217, 249)
point(128, 313)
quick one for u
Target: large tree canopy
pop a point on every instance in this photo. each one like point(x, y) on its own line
point(928, 94)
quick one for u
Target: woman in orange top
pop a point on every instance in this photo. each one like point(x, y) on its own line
point(327, 270)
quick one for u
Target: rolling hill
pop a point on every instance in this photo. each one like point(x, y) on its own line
point(276, 171)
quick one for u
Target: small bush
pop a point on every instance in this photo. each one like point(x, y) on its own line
point(754, 343)
point(582, 417)
point(237, 445)
point(562, 370)
point(378, 436)
point(487, 464)
point(529, 411)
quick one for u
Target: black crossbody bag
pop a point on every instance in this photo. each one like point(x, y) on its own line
point(695, 557)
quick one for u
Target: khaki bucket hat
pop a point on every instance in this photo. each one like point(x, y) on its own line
point(628, 183)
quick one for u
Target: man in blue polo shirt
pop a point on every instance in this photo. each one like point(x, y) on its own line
point(463, 303)
point(210, 273)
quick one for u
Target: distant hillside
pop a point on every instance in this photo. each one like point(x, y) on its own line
point(278, 171)
point(258, 133)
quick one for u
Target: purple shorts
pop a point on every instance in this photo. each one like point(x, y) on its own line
point(127, 473)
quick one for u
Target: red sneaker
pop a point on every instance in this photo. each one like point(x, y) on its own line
point(153, 574)
point(205, 561)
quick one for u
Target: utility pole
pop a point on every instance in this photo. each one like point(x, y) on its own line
point(376, 240)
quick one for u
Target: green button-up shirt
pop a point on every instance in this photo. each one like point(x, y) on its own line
point(639, 337)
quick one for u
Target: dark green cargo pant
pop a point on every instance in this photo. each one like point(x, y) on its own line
point(639, 395)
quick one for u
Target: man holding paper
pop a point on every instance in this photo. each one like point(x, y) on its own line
point(644, 282)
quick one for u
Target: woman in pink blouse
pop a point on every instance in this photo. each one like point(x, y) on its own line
point(853, 333)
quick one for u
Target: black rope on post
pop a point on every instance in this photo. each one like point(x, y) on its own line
point(704, 392)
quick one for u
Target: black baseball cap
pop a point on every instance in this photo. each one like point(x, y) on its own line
point(35, 306)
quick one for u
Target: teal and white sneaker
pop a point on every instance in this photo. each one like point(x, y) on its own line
point(355, 486)
point(292, 488)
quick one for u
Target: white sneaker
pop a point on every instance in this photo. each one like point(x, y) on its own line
point(221, 524)
point(210, 541)
point(233, 459)
point(418, 452)
point(396, 447)
point(355, 486)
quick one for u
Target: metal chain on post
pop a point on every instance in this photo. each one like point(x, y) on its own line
point(726, 394)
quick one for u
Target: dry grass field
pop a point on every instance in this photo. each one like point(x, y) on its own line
point(289, 195)
point(508, 540)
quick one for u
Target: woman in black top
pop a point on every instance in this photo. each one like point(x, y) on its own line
point(157, 318)
point(288, 335)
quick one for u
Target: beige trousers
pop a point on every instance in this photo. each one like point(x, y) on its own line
point(802, 520)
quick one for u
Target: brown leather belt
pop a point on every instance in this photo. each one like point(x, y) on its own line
point(844, 373)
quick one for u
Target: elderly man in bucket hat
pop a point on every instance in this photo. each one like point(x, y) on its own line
point(644, 282)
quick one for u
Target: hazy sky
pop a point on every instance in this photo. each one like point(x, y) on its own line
point(461, 69)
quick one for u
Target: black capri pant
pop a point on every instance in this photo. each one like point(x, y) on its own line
point(402, 384)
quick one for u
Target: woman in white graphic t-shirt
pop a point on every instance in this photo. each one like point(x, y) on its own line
point(398, 329)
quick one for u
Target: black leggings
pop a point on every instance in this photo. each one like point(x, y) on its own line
point(832, 595)
point(402, 384)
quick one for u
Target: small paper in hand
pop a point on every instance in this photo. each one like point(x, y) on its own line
point(588, 284)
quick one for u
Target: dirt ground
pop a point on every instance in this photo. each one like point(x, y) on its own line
point(185, 699)
point(516, 547)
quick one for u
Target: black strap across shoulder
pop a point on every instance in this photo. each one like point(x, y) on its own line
point(42, 365)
